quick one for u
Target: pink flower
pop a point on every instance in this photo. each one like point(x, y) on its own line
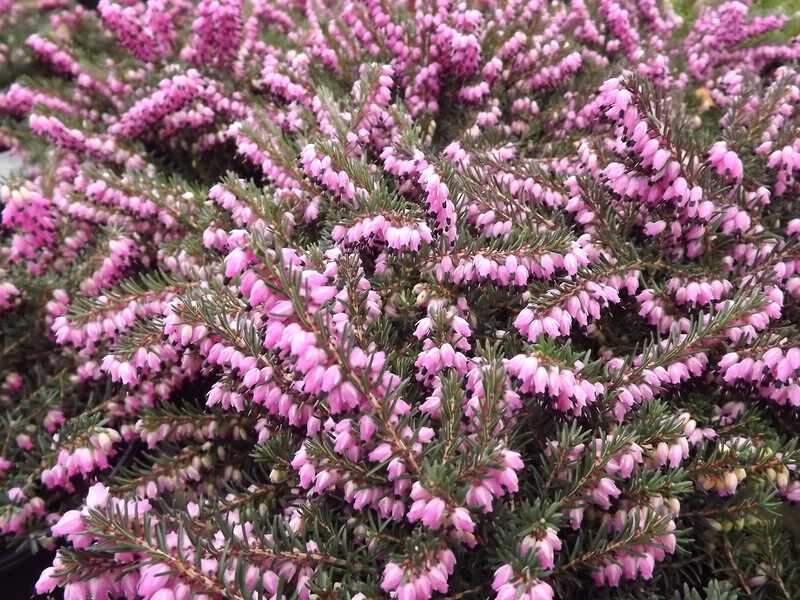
point(380, 453)
point(235, 262)
point(71, 522)
point(432, 514)
point(506, 592)
point(47, 581)
point(541, 591)
point(462, 520)
point(76, 591)
point(655, 228)
point(392, 576)
point(153, 578)
point(613, 573)
point(646, 564)
point(163, 594)
point(501, 576)
point(97, 497)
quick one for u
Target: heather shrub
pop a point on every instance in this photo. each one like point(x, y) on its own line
point(375, 299)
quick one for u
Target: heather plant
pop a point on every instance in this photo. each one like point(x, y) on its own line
point(411, 300)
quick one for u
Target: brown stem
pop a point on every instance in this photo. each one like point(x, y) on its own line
point(739, 575)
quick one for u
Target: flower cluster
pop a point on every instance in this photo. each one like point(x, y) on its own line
point(404, 300)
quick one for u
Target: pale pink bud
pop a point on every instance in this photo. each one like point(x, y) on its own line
point(47, 581)
point(97, 496)
point(501, 576)
point(71, 522)
point(462, 520)
point(381, 453)
point(392, 576)
point(432, 515)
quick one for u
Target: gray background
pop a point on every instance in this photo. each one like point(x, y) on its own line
point(8, 164)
